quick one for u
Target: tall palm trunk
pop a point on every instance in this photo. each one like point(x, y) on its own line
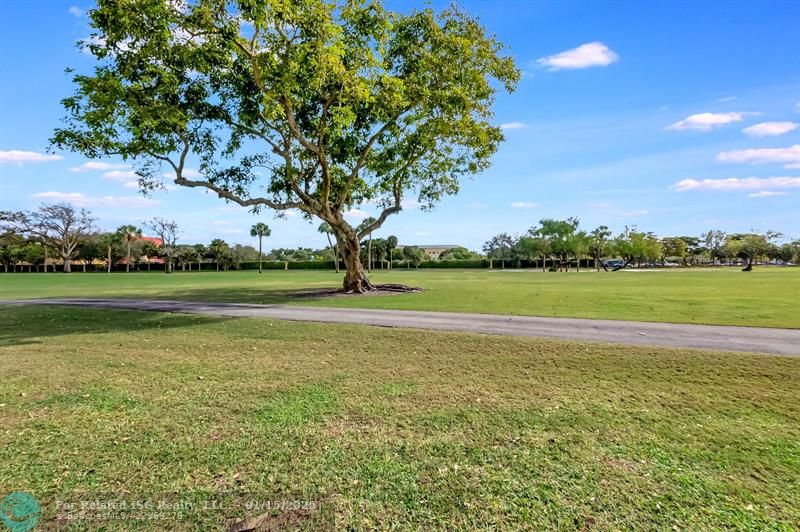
point(128, 257)
point(260, 256)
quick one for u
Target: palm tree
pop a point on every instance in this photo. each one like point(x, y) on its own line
point(199, 252)
point(325, 227)
point(260, 230)
point(217, 249)
point(366, 223)
point(128, 234)
point(391, 244)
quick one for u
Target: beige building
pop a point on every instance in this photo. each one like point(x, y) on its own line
point(434, 251)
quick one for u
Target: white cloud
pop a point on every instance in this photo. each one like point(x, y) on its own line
point(20, 157)
point(789, 156)
point(82, 200)
point(767, 194)
point(586, 55)
point(221, 222)
point(513, 125)
point(640, 212)
point(524, 205)
point(770, 129)
point(410, 204)
point(122, 46)
point(131, 184)
point(75, 11)
point(708, 121)
point(737, 183)
point(356, 214)
point(99, 166)
point(188, 173)
point(120, 176)
point(726, 99)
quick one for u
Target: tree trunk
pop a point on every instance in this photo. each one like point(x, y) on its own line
point(84, 266)
point(45, 258)
point(67, 265)
point(260, 256)
point(128, 257)
point(355, 280)
point(108, 260)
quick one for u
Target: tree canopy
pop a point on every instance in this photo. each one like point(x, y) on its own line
point(308, 105)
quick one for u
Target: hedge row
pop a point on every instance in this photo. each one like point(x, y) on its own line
point(324, 265)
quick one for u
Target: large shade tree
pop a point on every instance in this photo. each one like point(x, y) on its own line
point(59, 226)
point(310, 105)
point(169, 232)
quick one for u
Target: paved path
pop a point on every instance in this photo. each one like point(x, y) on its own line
point(721, 338)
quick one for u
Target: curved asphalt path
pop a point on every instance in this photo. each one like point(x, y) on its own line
point(716, 337)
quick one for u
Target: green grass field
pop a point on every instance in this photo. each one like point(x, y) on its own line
point(388, 428)
point(766, 297)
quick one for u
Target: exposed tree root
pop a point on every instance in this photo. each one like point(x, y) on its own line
point(381, 288)
point(393, 287)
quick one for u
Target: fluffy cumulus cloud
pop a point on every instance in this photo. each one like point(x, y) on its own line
point(356, 214)
point(20, 157)
point(790, 157)
point(638, 212)
point(593, 54)
point(99, 166)
point(83, 200)
point(120, 176)
point(708, 121)
point(524, 205)
point(738, 183)
point(75, 11)
point(770, 129)
point(512, 125)
point(767, 194)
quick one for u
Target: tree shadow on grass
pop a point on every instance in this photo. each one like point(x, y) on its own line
point(29, 324)
point(254, 295)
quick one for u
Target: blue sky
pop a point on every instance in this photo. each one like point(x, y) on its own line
point(676, 117)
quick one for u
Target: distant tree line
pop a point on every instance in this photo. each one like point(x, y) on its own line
point(28, 240)
point(558, 245)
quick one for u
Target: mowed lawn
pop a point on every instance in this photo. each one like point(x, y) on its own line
point(389, 428)
point(726, 296)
